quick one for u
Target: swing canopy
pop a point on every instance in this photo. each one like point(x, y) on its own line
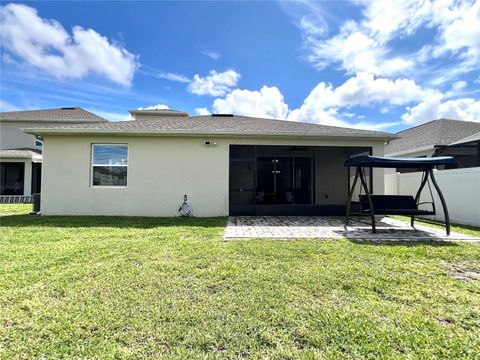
point(387, 162)
point(396, 204)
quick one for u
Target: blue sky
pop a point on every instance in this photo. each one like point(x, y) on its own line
point(383, 65)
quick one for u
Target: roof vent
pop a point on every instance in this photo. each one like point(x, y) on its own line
point(67, 108)
point(222, 115)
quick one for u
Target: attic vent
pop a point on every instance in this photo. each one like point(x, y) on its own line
point(222, 115)
point(67, 108)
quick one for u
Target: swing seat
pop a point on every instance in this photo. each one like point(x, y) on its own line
point(393, 205)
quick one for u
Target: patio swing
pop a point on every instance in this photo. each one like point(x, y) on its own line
point(396, 204)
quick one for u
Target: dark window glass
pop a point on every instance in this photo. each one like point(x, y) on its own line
point(12, 178)
point(110, 175)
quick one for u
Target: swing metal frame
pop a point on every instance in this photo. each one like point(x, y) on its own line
point(396, 204)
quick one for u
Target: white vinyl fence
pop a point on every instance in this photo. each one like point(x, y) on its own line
point(460, 187)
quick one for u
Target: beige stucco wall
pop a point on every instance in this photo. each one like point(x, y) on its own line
point(161, 170)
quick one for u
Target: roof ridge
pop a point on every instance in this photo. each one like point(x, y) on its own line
point(288, 121)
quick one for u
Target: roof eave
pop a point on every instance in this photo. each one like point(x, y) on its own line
point(115, 132)
point(34, 158)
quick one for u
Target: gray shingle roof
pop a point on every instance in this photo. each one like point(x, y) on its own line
point(72, 114)
point(437, 132)
point(474, 137)
point(21, 153)
point(213, 125)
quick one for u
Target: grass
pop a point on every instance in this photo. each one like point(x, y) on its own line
point(461, 229)
point(106, 287)
point(15, 209)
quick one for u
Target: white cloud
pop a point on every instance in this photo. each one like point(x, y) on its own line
point(121, 117)
point(384, 19)
point(365, 125)
point(172, 77)
point(365, 45)
point(323, 103)
point(348, 114)
point(46, 45)
point(459, 85)
point(354, 49)
point(214, 84)
point(202, 111)
point(320, 107)
point(148, 70)
point(456, 90)
point(7, 106)
point(268, 103)
point(155, 107)
point(364, 89)
point(433, 107)
point(308, 14)
point(310, 112)
point(459, 25)
point(214, 55)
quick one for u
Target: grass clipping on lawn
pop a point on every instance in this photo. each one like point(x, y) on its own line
point(108, 287)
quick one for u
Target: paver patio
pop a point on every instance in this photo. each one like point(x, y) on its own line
point(332, 227)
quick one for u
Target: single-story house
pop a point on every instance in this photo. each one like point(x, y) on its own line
point(442, 137)
point(21, 153)
point(225, 164)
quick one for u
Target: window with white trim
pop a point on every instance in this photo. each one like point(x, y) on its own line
point(109, 164)
point(38, 142)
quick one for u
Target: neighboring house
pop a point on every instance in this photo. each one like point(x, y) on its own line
point(21, 153)
point(225, 164)
point(460, 185)
point(439, 138)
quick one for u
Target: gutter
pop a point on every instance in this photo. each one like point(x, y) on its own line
point(115, 132)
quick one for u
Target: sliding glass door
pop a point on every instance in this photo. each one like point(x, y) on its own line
point(12, 177)
point(270, 177)
point(302, 180)
point(284, 180)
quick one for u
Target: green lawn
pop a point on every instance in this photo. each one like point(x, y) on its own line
point(461, 229)
point(108, 287)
